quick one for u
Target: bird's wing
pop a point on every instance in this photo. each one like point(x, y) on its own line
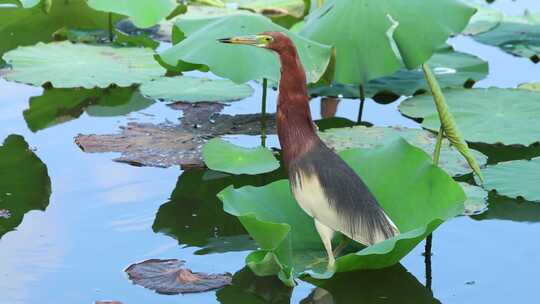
point(329, 190)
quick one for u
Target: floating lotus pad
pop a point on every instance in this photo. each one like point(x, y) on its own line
point(223, 156)
point(289, 243)
point(451, 68)
point(485, 19)
point(519, 36)
point(18, 26)
point(192, 89)
point(361, 137)
point(241, 63)
point(476, 202)
point(375, 38)
point(21, 170)
point(507, 116)
point(144, 13)
point(515, 179)
point(68, 65)
point(533, 86)
point(294, 8)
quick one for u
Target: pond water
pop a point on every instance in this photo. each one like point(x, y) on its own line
point(103, 216)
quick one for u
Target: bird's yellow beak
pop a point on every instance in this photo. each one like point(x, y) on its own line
point(255, 40)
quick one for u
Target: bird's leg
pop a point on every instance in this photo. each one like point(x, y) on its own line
point(326, 235)
point(342, 245)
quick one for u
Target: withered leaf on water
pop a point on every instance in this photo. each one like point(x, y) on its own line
point(168, 144)
point(171, 277)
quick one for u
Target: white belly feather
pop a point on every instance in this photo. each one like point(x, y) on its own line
point(310, 195)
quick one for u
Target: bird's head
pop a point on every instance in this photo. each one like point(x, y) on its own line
point(275, 41)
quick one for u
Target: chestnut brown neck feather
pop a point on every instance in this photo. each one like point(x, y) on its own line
point(296, 130)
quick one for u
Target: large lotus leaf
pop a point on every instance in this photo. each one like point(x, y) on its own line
point(507, 116)
point(223, 156)
point(68, 65)
point(516, 35)
point(241, 63)
point(451, 68)
point(287, 237)
point(519, 178)
point(24, 183)
point(58, 106)
point(192, 89)
point(362, 137)
point(375, 38)
point(144, 13)
point(18, 27)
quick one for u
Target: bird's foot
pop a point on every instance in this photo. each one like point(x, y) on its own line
point(331, 267)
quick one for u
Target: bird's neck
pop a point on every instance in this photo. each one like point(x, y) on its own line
point(296, 130)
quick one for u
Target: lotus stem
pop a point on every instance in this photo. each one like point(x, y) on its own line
point(362, 100)
point(448, 122)
point(263, 112)
point(111, 38)
point(438, 145)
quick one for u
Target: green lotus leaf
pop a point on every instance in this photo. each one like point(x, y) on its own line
point(451, 68)
point(476, 202)
point(241, 63)
point(507, 116)
point(144, 13)
point(519, 36)
point(21, 171)
point(272, 8)
point(58, 106)
point(18, 26)
point(289, 243)
point(361, 137)
point(216, 3)
point(221, 155)
point(375, 38)
point(519, 178)
point(192, 89)
point(485, 19)
point(68, 65)
point(534, 86)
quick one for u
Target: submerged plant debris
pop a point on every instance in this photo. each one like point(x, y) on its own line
point(167, 144)
point(171, 277)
